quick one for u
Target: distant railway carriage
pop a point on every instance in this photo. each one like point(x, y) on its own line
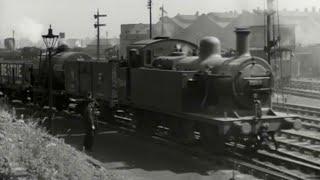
point(29, 77)
point(89, 76)
point(15, 77)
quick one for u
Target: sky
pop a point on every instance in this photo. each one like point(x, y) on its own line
point(31, 18)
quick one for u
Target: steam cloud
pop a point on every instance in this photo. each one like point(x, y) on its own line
point(29, 29)
point(306, 29)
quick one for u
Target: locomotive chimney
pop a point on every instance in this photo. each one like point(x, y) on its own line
point(242, 41)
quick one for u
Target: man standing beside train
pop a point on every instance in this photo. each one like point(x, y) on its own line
point(89, 125)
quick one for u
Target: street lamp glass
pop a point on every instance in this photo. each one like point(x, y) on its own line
point(50, 39)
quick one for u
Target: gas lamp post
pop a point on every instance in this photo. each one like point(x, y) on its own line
point(50, 41)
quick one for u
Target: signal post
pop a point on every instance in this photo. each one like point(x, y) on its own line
point(97, 26)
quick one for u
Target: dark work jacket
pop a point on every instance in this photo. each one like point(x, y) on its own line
point(88, 116)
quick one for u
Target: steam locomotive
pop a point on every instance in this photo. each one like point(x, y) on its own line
point(164, 84)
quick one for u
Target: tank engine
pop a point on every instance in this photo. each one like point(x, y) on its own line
point(224, 98)
point(166, 85)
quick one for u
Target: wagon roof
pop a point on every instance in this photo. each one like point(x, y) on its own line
point(67, 56)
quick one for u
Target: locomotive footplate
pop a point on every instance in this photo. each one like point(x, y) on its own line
point(247, 125)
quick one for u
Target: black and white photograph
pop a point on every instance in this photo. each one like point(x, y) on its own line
point(159, 90)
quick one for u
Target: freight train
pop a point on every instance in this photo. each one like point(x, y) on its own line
point(26, 77)
point(174, 84)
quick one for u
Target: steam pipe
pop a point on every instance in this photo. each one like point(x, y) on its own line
point(242, 41)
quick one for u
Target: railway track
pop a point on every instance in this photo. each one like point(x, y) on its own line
point(263, 164)
point(305, 144)
point(258, 165)
point(303, 88)
point(310, 116)
point(300, 92)
point(305, 84)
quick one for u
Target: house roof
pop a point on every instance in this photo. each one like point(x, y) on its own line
point(203, 26)
point(184, 20)
point(224, 16)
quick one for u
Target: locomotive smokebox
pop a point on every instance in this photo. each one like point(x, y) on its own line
point(242, 41)
point(209, 46)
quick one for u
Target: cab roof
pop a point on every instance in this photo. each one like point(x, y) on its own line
point(149, 42)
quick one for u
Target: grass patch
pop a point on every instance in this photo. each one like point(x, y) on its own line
point(26, 147)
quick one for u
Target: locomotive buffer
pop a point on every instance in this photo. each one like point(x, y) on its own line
point(97, 26)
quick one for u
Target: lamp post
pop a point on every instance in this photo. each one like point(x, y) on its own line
point(50, 40)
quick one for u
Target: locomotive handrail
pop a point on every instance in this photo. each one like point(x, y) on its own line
point(256, 78)
point(220, 76)
point(261, 89)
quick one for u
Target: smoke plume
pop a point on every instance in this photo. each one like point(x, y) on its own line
point(29, 29)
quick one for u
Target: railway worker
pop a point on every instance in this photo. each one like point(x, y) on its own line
point(257, 106)
point(89, 119)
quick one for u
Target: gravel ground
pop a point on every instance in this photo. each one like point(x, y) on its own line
point(138, 159)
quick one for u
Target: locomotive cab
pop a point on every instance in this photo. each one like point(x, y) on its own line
point(148, 53)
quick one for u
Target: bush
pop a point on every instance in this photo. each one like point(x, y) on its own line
point(27, 147)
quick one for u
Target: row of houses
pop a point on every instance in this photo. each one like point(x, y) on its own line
point(296, 28)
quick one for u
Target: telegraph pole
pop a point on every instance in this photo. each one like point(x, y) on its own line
point(14, 41)
point(150, 13)
point(97, 26)
point(163, 11)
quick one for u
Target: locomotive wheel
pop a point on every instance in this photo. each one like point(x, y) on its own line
point(183, 130)
point(144, 123)
point(211, 139)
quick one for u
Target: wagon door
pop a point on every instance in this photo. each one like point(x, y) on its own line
point(71, 74)
point(85, 77)
point(102, 80)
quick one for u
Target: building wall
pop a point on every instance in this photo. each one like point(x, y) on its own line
point(131, 33)
point(258, 34)
point(129, 39)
